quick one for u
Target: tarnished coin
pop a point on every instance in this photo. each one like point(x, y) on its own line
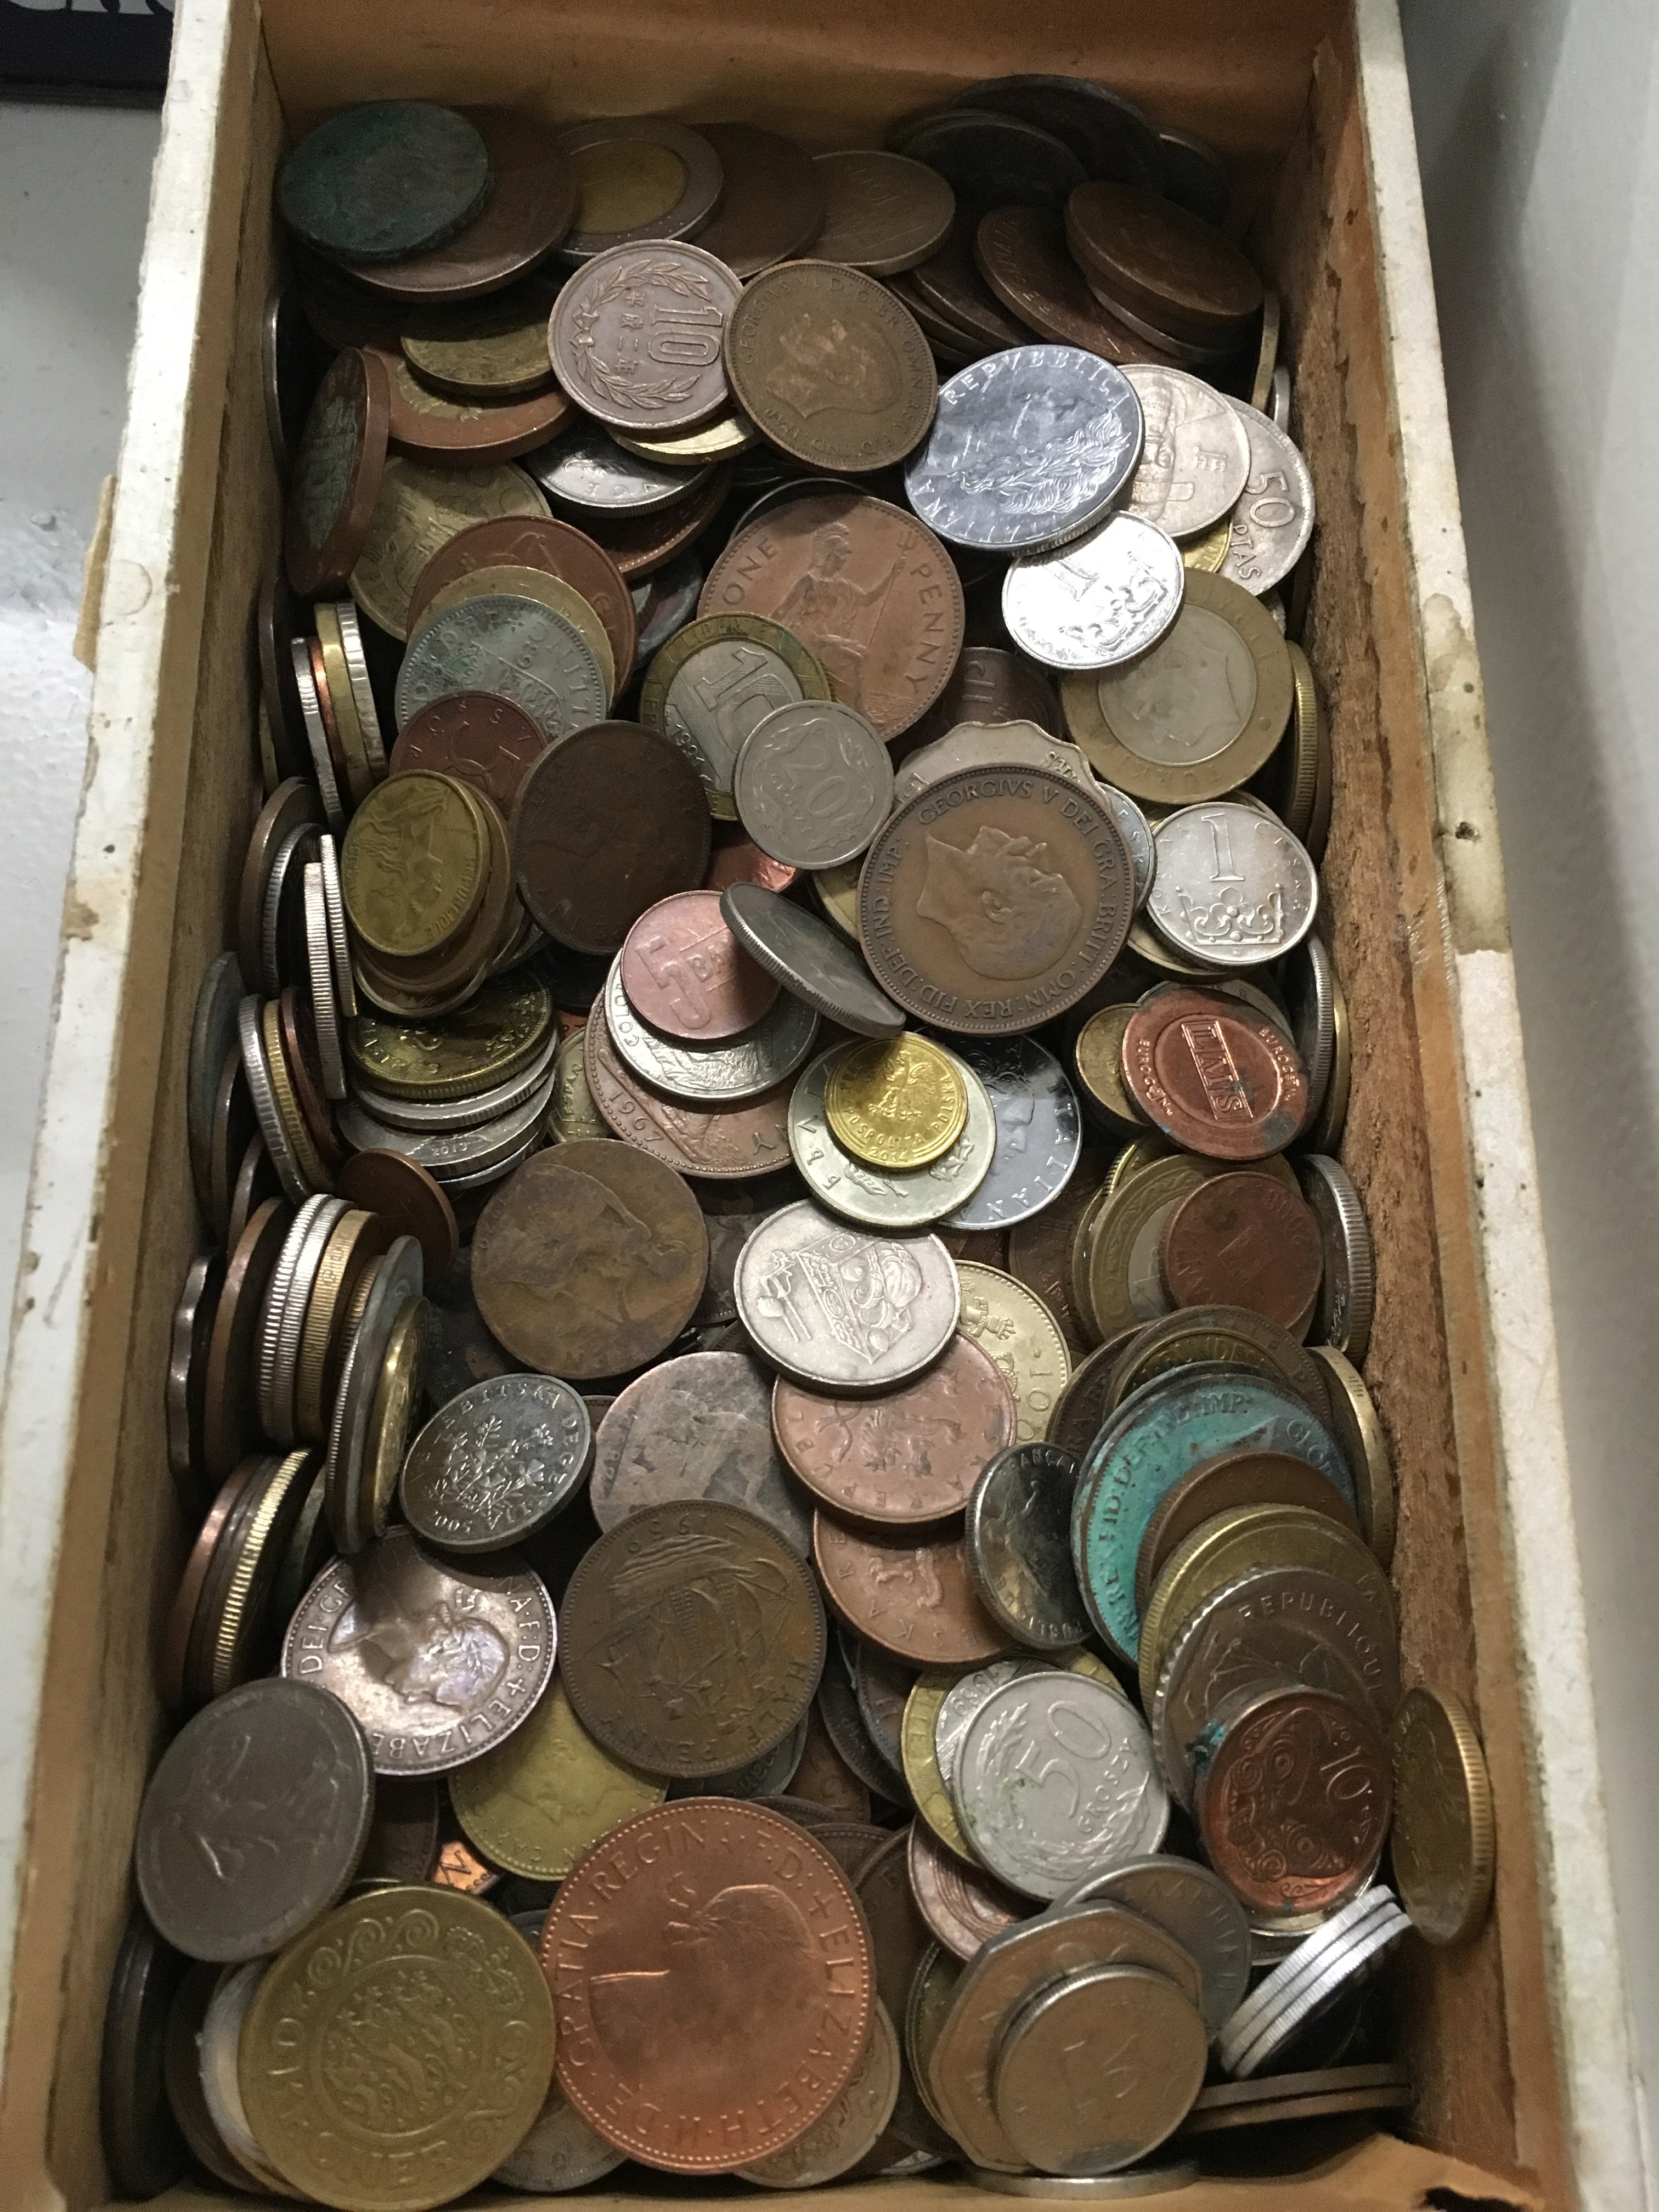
point(514, 646)
point(684, 973)
point(809, 960)
point(561, 2152)
point(897, 1104)
point(1045, 1730)
point(1274, 521)
point(590, 1261)
point(1356, 1427)
point(1196, 457)
point(1018, 1539)
point(910, 1455)
point(587, 472)
point(1244, 1240)
point(537, 1803)
point(422, 815)
point(697, 1958)
point(721, 1140)
point(831, 366)
point(983, 479)
point(1110, 135)
point(1218, 1486)
point(495, 1463)
point(693, 1638)
point(419, 509)
point(991, 684)
point(1013, 1326)
point(1220, 1335)
point(1305, 2096)
point(865, 586)
point(520, 582)
point(142, 2141)
point(907, 1594)
point(900, 1198)
point(813, 783)
point(852, 2125)
point(883, 212)
point(526, 215)
point(438, 427)
point(746, 1065)
point(774, 203)
point(1022, 255)
point(1096, 600)
point(338, 474)
point(1444, 1839)
point(384, 179)
point(477, 736)
point(1217, 1076)
point(635, 336)
point(1039, 1130)
point(1234, 888)
point(963, 1905)
point(950, 285)
point(234, 1856)
point(714, 681)
point(537, 542)
point(696, 1427)
point(1196, 1908)
point(837, 1309)
point(991, 744)
point(989, 157)
point(638, 176)
point(1181, 274)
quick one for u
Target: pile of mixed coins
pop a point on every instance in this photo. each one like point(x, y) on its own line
point(790, 1572)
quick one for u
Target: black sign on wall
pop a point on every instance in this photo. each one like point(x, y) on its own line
point(82, 48)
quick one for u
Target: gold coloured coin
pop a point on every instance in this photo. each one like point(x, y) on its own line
point(287, 1106)
point(499, 1032)
point(901, 1104)
point(500, 359)
point(836, 890)
point(395, 1395)
point(420, 509)
point(360, 776)
point(1357, 1429)
point(358, 1238)
point(1014, 1329)
point(920, 1759)
point(1135, 1157)
point(1444, 1836)
point(537, 1801)
point(412, 865)
point(722, 440)
point(547, 591)
point(1099, 1054)
point(1208, 551)
point(335, 2100)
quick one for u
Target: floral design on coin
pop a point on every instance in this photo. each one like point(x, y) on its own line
point(496, 1462)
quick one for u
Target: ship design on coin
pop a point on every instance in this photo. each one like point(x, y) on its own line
point(697, 1617)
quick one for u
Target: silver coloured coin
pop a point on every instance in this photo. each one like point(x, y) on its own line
point(428, 1117)
point(319, 966)
point(1357, 1964)
point(449, 1154)
point(398, 1279)
point(1278, 404)
point(1347, 1297)
point(339, 941)
point(271, 1317)
point(1099, 599)
point(322, 760)
point(1302, 1964)
point(723, 693)
point(964, 1698)
point(742, 1069)
point(852, 2126)
point(585, 470)
point(1018, 1537)
point(1054, 1780)
point(813, 783)
point(561, 2152)
point(1028, 447)
point(476, 1178)
point(664, 602)
point(1234, 888)
point(1195, 456)
point(284, 884)
point(496, 1463)
point(1194, 1905)
point(1273, 520)
point(809, 960)
point(363, 691)
point(769, 1776)
point(1039, 1130)
point(911, 1198)
point(839, 1308)
point(296, 1184)
point(213, 1037)
point(1092, 2188)
point(515, 647)
point(221, 2089)
point(291, 1326)
point(187, 1351)
point(992, 745)
point(1310, 996)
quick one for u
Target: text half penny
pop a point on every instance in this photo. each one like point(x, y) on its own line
point(530, 541)
point(608, 822)
point(911, 1596)
point(699, 1137)
point(912, 1456)
point(1245, 1240)
point(486, 741)
point(589, 1260)
point(1219, 1485)
point(1220, 1078)
point(995, 899)
point(685, 974)
point(636, 336)
point(865, 586)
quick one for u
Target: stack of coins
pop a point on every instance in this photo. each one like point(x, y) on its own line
point(790, 1547)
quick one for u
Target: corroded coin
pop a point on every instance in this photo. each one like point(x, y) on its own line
point(714, 1981)
point(1443, 1840)
point(908, 1594)
point(1096, 600)
point(590, 1261)
point(635, 336)
point(1018, 1539)
point(884, 213)
point(831, 366)
point(1218, 1486)
point(721, 1140)
point(838, 1308)
point(495, 1463)
point(696, 1427)
point(418, 510)
point(693, 1638)
point(813, 783)
point(527, 213)
point(1217, 1076)
point(513, 646)
point(902, 1104)
point(519, 581)
point(1244, 1240)
point(384, 179)
point(537, 1803)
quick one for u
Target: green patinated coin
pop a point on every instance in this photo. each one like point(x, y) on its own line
point(392, 178)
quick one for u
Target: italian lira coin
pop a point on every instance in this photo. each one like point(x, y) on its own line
point(1039, 1130)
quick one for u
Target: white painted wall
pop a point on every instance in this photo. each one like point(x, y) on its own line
point(1538, 124)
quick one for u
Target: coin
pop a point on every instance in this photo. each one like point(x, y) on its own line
point(422, 813)
point(1347, 1294)
point(590, 1261)
point(308, 1800)
point(1273, 523)
point(1018, 1532)
point(774, 203)
point(715, 681)
point(663, 1608)
point(989, 157)
point(912, 1598)
point(1180, 273)
point(521, 583)
point(212, 1039)
point(1191, 1904)
point(1442, 1842)
point(685, 974)
point(883, 212)
point(337, 473)
point(910, 1455)
point(992, 745)
point(189, 1350)
point(989, 684)
point(1011, 1325)
point(1039, 1132)
point(513, 646)
point(1217, 1486)
point(838, 1309)
point(229, 1411)
point(1226, 1335)
point(525, 215)
point(1356, 1427)
point(1216, 1076)
point(477, 736)
point(640, 543)
point(745, 1066)
point(1357, 1942)
point(530, 541)
point(141, 2143)
point(980, 481)
point(1300, 2096)
point(1096, 600)
point(809, 960)
point(384, 179)
point(561, 2152)
point(897, 1104)
point(495, 1463)
point(639, 178)
point(1021, 253)
point(437, 1663)
point(864, 585)
point(962, 1906)
point(844, 2134)
point(813, 783)
point(418, 509)
point(635, 336)
point(1243, 1240)
point(901, 1198)
point(1234, 888)
point(719, 1139)
point(451, 430)
point(696, 1427)
point(1196, 457)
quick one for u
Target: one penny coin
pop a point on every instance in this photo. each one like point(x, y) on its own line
point(709, 1137)
point(486, 741)
point(403, 1192)
point(530, 541)
point(910, 1456)
point(1245, 1240)
point(883, 212)
point(831, 366)
point(610, 821)
point(589, 1260)
point(1219, 1485)
point(912, 1596)
point(686, 975)
point(637, 334)
point(714, 1983)
point(1214, 1074)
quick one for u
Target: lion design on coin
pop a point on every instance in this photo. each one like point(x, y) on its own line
point(1008, 916)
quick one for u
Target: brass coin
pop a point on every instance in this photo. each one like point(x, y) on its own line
point(714, 680)
point(497, 356)
point(831, 366)
point(390, 1413)
point(356, 1241)
point(722, 440)
point(1014, 1329)
point(1217, 1486)
point(637, 334)
point(1209, 552)
point(901, 1104)
point(412, 867)
point(1099, 1055)
point(1223, 1334)
point(1444, 1839)
point(419, 509)
point(882, 213)
point(534, 584)
point(496, 1034)
point(920, 1759)
point(547, 1795)
point(359, 772)
point(1356, 1427)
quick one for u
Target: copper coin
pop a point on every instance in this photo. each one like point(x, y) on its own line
point(774, 203)
point(486, 741)
point(831, 366)
point(1245, 1240)
point(530, 209)
point(995, 899)
point(1182, 276)
point(230, 1417)
point(1083, 1404)
point(1293, 1806)
point(304, 1074)
point(950, 281)
point(398, 1188)
point(589, 1260)
point(1021, 253)
point(911, 1596)
point(337, 475)
point(988, 684)
point(532, 541)
point(1217, 1486)
point(714, 1984)
point(685, 974)
point(824, 1779)
point(700, 1137)
point(611, 820)
point(693, 1638)
point(640, 543)
point(447, 433)
point(865, 586)
point(912, 1455)
point(1220, 1078)
point(963, 1905)
point(737, 859)
point(181, 1620)
point(636, 334)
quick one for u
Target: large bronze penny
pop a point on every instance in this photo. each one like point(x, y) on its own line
point(589, 1260)
point(530, 541)
point(1185, 277)
point(911, 1455)
point(831, 366)
point(529, 210)
point(611, 820)
point(693, 1638)
point(995, 899)
point(865, 585)
point(1214, 1074)
point(1021, 253)
point(911, 1594)
point(486, 741)
point(685, 974)
point(714, 1984)
point(635, 336)
point(1217, 1485)
point(699, 1137)
point(773, 206)
point(1245, 1240)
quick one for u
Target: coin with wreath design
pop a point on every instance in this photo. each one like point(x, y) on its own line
point(636, 334)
